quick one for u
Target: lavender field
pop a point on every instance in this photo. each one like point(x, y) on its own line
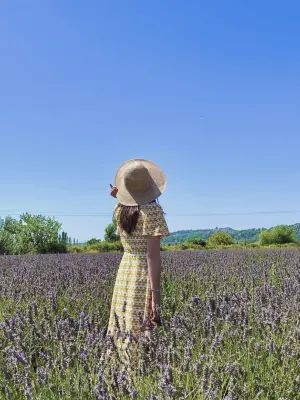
point(231, 329)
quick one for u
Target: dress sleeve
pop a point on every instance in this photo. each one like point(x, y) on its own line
point(154, 223)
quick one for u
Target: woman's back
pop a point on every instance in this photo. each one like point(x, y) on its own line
point(151, 222)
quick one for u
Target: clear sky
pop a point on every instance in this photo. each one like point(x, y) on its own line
point(209, 90)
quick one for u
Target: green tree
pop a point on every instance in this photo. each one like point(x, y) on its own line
point(280, 234)
point(40, 232)
point(12, 226)
point(11, 239)
point(32, 234)
point(64, 237)
point(111, 232)
point(220, 239)
point(9, 243)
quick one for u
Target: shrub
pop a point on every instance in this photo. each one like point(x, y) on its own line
point(56, 247)
point(116, 246)
point(105, 247)
point(93, 241)
point(196, 242)
point(281, 234)
point(76, 249)
point(183, 246)
point(220, 239)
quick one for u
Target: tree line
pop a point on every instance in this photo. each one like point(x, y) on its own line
point(246, 235)
point(38, 234)
point(278, 235)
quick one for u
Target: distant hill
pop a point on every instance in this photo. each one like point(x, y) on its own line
point(246, 235)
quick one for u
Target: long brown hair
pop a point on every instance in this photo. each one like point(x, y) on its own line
point(128, 217)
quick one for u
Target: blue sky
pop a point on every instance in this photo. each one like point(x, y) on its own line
point(208, 90)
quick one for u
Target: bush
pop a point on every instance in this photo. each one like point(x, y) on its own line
point(220, 239)
point(196, 242)
point(93, 241)
point(281, 234)
point(105, 247)
point(183, 246)
point(56, 247)
point(76, 249)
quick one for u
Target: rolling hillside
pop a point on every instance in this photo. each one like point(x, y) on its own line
point(246, 235)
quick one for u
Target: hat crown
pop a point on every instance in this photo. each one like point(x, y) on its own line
point(137, 178)
point(139, 182)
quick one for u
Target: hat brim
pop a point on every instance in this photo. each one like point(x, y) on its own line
point(157, 185)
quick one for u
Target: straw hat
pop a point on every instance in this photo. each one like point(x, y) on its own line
point(139, 182)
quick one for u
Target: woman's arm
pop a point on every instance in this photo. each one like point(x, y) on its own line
point(154, 270)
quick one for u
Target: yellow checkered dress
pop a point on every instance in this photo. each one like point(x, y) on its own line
point(132, 283)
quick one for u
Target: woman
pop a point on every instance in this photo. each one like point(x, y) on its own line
point(141, 225)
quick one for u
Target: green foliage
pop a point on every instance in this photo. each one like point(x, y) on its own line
point(108, 246)
point(56, 247)
point(93, 241)
point(9, 244)
point(196, 241)
point(40, 232)
point(103, 246)
point(111, 232)
point(100, 247)
point(32, 234)
point(220, 239)
point(77, 249)
point(63, 238)
point(246, 235)
point(279, 235)
point(11, 240)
